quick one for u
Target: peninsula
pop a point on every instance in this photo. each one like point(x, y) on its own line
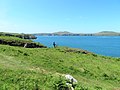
point(66, 33)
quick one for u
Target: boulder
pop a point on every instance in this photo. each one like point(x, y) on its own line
point(72, 82)
point(71, 78)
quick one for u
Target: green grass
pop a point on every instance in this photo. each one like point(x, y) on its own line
point(15, 41)
point(22, 35)
point(10, 38)
point(40, 68)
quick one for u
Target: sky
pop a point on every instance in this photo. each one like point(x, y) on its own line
point(77, 16)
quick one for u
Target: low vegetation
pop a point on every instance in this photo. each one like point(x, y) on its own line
point(44, 69)
point(22, 35)
point(15, 41)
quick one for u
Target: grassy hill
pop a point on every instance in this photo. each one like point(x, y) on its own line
point(65, 33)
point(44, 69)
point(22, 35)
point(107, 33)
point(15, 41)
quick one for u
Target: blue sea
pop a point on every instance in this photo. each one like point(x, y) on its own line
point(102, 45)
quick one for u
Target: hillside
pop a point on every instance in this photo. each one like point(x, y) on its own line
point(62, 32)
point(43, 69)
point(65, 33)
point(22, 35)
point(107, 33)
point(15, 41)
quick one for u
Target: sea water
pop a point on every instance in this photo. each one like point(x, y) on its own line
point(103, 45)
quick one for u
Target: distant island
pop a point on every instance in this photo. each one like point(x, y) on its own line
point(66, 33)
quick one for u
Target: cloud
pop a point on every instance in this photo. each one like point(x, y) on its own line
point(6, 26)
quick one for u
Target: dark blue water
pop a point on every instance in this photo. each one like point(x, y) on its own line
point(103, 45)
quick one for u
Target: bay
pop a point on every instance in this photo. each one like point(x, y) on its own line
point(103, 45)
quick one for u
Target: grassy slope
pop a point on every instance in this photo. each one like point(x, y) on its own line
point(15, 41)
point(29, 68)
point(11, 38)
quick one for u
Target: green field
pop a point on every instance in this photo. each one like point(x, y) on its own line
point(44, 68)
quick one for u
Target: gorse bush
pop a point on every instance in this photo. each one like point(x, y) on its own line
point(60, 84)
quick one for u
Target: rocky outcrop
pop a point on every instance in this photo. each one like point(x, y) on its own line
point(33, 45)
point(72, 82)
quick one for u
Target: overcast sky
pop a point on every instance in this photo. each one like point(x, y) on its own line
point(79, 16)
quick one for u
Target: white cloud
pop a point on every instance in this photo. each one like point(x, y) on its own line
point(6, 26)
